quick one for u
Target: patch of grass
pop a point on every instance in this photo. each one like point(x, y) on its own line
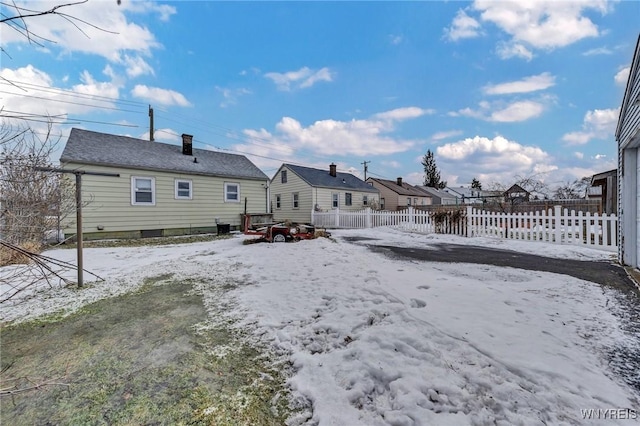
point(156, 241)
point(146, 357)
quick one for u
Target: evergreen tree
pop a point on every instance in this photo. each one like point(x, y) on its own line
point(431, 172)
point(475, 184)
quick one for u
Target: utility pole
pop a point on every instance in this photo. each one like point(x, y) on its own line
point(366, 168)
point(150, 123)
point(79, 241)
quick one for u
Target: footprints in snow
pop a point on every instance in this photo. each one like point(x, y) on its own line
point(417, 303)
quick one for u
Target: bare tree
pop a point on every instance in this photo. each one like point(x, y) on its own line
point(16, 18)
point(572, 190)
point(32, 202)
point(534, 185)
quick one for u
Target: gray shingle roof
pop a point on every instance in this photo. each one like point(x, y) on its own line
point(405, 189)
point(102, 149)
point(322, 178)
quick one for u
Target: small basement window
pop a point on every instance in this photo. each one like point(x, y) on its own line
point(231, 192)
point(183, 189)
point(143, 190)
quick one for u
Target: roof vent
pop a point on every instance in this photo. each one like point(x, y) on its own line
point(187, 144)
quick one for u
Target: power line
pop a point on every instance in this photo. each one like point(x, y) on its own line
point(71, 102)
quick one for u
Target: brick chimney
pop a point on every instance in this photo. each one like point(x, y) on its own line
point(187, 144)
point(399, 181)
point(332, 170)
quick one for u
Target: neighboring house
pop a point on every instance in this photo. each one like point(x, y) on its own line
point(467, 195)
point(628, 139)
point(296, 190)
point(439, 196)
point(516, 194)
point(163, 189)
point(607, 182)
point(396, 195)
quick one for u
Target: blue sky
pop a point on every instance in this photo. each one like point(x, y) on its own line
point(494, 89)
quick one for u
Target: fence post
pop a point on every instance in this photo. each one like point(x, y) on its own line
point(367, 220)
point(337, 217)
point(469, 232)
point(557, 213)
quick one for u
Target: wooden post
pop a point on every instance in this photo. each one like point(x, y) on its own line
point(79, 227)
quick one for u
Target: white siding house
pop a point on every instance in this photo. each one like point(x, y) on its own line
point(162, 189)
point(628, 139)
point(296, 190)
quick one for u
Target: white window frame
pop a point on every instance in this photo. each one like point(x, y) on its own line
point(335, 200)
point(295, 198)
point(134, 191)
point(382, 203)
point(408, 201)
point(226, 192)
point(278, 201)
point(348, 199)
point(177, 193)
point(283, 176)
point(365, 200)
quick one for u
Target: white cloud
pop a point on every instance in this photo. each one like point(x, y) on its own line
point(34, 92)
point(513, 112)
point(491, 159)
point(597, 124)
point(162, 135)
point(395, 39)
point(598, 51)
point(291, 141)
point(543, 24)
point(302, 78)
point(513, 50)
point(121, 35)
point(622, 76)
point(231, 95)
point(159, 96)
point(526, 85)
point(463, 26)
point(391, 164)
point(400, 114)
point(445, 135)
point(579, 155)
point(518, 111)
point(136, 66)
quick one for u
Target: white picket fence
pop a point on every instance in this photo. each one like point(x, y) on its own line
point(556, 225)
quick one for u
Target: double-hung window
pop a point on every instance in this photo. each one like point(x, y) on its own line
point(231, 192)
point(283, 176)
point(183, 189)
point(143, 190)
point(334, 200)
point(278, 201)
point(296, 200)
point(365, 200)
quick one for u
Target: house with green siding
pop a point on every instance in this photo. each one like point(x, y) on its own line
point(297, 190)
point(162, 189)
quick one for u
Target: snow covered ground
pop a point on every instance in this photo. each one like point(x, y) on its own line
point(378, 341)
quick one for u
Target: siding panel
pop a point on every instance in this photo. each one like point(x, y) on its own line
point(109, 202)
